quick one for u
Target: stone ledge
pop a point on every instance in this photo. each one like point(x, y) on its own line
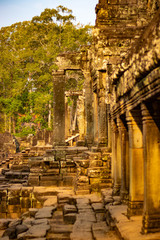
point(129, 229)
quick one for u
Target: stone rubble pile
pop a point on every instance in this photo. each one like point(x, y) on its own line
point(66, 217)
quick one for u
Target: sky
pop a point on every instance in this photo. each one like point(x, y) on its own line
point(12, 11)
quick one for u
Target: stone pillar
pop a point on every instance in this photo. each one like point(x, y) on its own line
point(124, 159)
point(151, 140)
point(109, 128)
point(136, 165)
point(81, 117)
point(102, 121)
point(116, 159)
point(67, 118)
point(89, 109)
point(58, 108)
point(102, 110)
point(95, 118)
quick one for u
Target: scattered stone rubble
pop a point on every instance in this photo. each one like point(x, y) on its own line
point(68, 216)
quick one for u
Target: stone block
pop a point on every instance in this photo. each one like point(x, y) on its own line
point(45, 212)
point(65, 198)
point(32, 212)
point(33, 180)
point(14, 200)
point(61, 228)
point(70, 218)
point(26, 191)
point(68, 180)
point(67, 208)
point(98, 207)
point(3, 207)
point(25, 202)
point(4, 223)
point(14, 209)
point(36, 231)
point(98, 172)
point(82, 179)
point(96, 163)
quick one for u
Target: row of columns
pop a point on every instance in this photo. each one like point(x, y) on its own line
point(136, 162)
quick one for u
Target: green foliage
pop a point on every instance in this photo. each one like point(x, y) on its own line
point(28, 57)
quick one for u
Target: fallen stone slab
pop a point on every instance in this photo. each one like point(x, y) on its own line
point(82, 225)
point(86, 216)
point(100, 226)
point(82, 200)
point(98, 207)
point(83, 206)
point(10, 232)
point(51, 201)
point(108, 199)
point(63, 198)
point(94, 198)
point(4, 223)
point(15, 222)
point(58, 236)
point(21, 228)
point(45, 212)
point(81, 235)
point(32, 212)
point(61, 228)
point(40, 221)
point(36, 231)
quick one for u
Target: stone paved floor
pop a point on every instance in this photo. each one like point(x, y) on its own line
point(90, 222)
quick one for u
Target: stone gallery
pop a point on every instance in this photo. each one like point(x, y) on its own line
point(104, 181)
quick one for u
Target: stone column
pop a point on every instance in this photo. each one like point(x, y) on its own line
point(95, 118)
point(136, 165)
point(102, 121)
point(58, 108)
point(116, 159)
point(89, 109)
point(109, 128)
point(151, 140)
point(80, 116)
point(67, 118)
point(102, 110)
point(124, 159)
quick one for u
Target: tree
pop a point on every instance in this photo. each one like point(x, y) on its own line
point(28, 57)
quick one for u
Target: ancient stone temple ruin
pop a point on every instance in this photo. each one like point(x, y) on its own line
point(99, 179)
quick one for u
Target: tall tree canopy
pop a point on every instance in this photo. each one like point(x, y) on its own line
point(28, 55)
